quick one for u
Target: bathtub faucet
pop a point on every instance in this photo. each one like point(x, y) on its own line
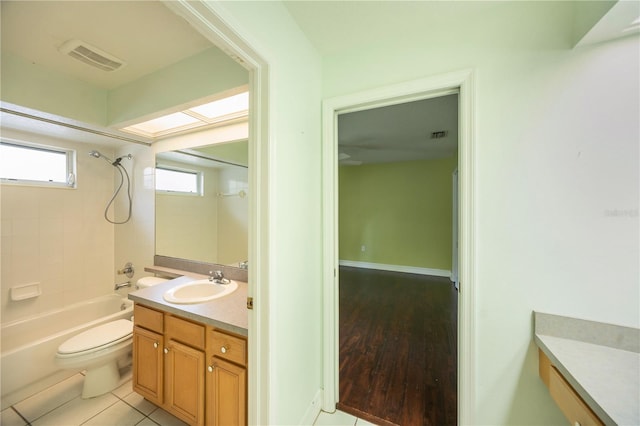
point(127, 270)
point(124, 284)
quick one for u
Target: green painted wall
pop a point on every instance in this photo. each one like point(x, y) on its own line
point(400, 212)
point(545, 171)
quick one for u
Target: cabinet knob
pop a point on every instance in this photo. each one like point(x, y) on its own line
point(224, 349)
point(210, 369)
point(155, 345)
point(576, 423)
point(166, 350)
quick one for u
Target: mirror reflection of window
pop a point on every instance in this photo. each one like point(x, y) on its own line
point(174, 180)
point(207, 223)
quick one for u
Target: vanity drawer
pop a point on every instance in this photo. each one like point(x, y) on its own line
point(570, 403)
point(184, 331)
point(229, 347)
point(148, 318)
point(572, 406)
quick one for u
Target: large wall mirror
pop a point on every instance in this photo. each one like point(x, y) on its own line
point(202, 204)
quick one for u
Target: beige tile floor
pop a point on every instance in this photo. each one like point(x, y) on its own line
point(61, 405)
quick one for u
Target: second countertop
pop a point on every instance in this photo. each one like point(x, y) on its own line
point(600, 361)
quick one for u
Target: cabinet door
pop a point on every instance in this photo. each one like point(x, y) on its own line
point(147, 364)
point(184, 375)
point(226, 394)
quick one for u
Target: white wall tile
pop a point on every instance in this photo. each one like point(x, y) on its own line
point(11, 418)
point(58, 237)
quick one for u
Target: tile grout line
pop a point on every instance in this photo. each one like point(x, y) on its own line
point(104, 409)
point(146, 416)
point(43, 390)
point(28, 423)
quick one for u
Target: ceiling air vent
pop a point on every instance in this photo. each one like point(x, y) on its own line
point(91, 55)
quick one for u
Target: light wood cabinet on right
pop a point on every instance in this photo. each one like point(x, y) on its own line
point(226, 379)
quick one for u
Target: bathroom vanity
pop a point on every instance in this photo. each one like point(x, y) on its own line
point(191, 359)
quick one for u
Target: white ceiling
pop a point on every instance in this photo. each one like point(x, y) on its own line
point(339, 27)
point(145, 34)
point(148, 36)
point(400, 132)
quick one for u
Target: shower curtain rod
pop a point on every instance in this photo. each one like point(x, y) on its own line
point(205, 157)
point(73, 126)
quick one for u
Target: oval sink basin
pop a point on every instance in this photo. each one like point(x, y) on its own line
point(199, 291)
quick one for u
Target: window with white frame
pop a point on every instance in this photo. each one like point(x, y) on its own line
point(180, 181)
point(31, 164)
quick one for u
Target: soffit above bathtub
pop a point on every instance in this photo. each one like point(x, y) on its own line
point(168, 67)
point(145, 34)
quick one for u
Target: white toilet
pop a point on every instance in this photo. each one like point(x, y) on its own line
point(146, 282)
point(98, 350)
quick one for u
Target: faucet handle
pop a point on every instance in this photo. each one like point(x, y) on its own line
point(216, 276)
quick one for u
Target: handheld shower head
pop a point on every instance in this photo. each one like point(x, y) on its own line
point(98, 154)
point(123, 172)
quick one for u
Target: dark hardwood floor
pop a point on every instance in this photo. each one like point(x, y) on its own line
point(398, 347)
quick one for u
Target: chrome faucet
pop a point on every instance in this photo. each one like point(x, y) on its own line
point(121, 285)
point(218, 277)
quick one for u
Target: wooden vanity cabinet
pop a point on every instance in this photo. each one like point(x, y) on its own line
point(148, 362)
point(184, 369)
point(572, 406)
point(169, 363)
point(193, 371)
point(226, 379)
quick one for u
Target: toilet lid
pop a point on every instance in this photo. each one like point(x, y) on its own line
point(98, 336)
point(145, 282)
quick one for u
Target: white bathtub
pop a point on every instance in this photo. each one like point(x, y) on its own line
point(29, 346)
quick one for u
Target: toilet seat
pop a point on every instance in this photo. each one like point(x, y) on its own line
point(97, 338)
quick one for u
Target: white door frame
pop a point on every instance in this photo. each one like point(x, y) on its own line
point(213, 22)
point(454, 243)
point(463, 83)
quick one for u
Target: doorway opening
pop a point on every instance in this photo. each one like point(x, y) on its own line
point(397, 299)
point(210, 20)
point(431, 87)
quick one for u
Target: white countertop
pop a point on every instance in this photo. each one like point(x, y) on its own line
point(601, 364)
point(227, 313)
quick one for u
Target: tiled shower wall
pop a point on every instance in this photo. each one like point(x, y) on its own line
point(57, 237)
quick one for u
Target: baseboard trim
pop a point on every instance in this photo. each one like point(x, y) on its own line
point(397, 268)
point(313, 410)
